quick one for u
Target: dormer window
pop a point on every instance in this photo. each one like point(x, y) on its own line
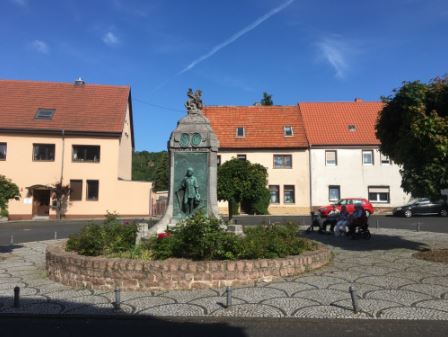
point(240, 132)
point(351, 127)
point(287, 131)
point(44, 113)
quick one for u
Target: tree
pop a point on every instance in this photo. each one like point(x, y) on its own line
point(60, 194)
point(267, 99)
point(151, 166)
point(240, 182)
point(8, 191)
point(413, 130)
point(162, 173)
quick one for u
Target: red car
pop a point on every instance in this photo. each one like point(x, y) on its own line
point(349, 204)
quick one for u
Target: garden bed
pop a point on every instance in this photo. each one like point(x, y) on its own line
point(76, 270)
point(433, 255)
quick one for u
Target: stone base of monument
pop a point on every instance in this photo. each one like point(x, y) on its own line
point(235, 229)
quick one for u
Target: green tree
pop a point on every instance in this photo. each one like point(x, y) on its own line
point(267, 99)
point(413, 130)
point(241, 182)
point(151, 166)
point(8, 191)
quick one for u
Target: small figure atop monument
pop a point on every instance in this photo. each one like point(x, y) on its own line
point(194, 103)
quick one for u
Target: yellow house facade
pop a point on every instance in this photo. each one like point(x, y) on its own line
point(78, 134)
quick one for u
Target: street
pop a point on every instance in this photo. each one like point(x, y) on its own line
point(28, 231)
point(16, 326)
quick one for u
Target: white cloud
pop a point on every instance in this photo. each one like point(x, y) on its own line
point(21, 3)
point(110, 39)
point(336, 51)
point(40, 47)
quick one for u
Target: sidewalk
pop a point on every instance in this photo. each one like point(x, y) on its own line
point(391, 283)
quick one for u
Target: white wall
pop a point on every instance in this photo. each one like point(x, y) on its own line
point(353, 177)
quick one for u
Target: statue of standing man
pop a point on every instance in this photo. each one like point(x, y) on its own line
point(191, 198)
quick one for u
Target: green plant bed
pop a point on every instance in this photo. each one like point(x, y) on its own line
point(197, 238)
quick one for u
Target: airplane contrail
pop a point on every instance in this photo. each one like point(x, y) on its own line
point(236, 36)
point(230, 40)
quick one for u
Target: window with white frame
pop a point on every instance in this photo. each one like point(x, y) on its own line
point(385, 160)
point(241, 157)
point(275, 194)
point(334, 193)
point(379, 194)
point(367, 157)
point(289, 194)
point(282, 161)
point(331, 158)
point(240, 132)
point(287, 131)
point(3, 148)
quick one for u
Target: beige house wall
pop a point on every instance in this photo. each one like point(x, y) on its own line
point(298, 176)
point(125, 150)
point(354, 177)
point(124, 197)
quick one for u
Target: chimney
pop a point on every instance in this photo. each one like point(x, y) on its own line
point(357, 99)
point(79, 82)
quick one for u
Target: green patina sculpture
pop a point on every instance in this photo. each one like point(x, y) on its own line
point(191, 197)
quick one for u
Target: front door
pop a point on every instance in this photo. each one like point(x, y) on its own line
point(41, 202)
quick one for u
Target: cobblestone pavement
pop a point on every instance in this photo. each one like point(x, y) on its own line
point(390, 282)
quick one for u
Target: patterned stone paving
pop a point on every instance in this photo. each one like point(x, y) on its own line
point(391, 284)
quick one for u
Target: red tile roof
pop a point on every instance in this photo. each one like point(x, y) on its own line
point(328, 123)
point(88, 108)
point(263, 126)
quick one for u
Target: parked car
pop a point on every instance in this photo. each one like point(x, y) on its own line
point(349, 204)
point(422, 206)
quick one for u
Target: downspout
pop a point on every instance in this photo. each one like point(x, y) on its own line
point(59, 201)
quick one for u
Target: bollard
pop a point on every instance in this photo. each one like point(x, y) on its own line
point(377, 224)
point(418, 226)
point(116, 304)
point(55, 235)
point(11, 242)
point(16, 297)
point(229, 297)
point(354, 297)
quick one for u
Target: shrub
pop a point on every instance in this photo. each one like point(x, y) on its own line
point(8, 191)
point(111, 237)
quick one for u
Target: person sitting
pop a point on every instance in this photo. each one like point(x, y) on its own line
point(332, 219)
point(359, 218)
point(342, 223)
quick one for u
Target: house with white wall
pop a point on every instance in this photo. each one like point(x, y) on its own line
point(344, 156)
point(273, 136)
point(77, 134)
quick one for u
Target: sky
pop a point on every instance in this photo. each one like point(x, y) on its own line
point(233, 50)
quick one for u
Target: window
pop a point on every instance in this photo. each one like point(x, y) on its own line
point(218, 160)
point(43, 152)
point(334, 192)
point(289, 194)
point(287, 131)
point(331, 158)
point(379, 194)
point(275, 194)
point(92, 190)
point(75, 190)
point(44, 113)
point(240, 132)
point(89, 153)
point(351, 128)
point(384, 159)
point(2, 151)
point(241, 156)
point(282, 161)
point(367, 157)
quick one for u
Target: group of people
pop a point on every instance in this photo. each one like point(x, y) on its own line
point(341, 222)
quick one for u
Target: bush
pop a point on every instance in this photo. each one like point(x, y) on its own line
point(201, 238)
point(111, 237)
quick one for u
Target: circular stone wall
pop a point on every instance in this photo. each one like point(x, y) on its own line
point(76, 270)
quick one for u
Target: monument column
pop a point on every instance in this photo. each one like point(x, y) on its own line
point(193, 148)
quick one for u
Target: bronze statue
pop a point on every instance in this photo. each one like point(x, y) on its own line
point(194, 103)
point(191, 197)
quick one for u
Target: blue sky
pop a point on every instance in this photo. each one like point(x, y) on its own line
point(233, 50)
